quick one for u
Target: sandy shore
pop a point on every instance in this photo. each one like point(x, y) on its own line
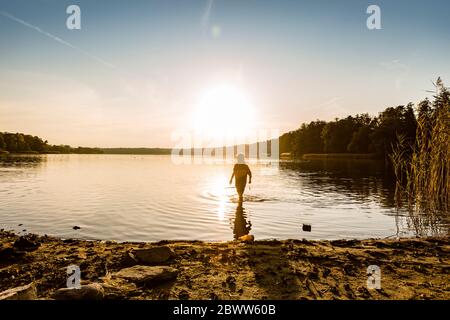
point(292, 269)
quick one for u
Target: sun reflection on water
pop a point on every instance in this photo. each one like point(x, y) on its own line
point(221, 190)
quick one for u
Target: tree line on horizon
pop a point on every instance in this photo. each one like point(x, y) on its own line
point(25, 143)
point(361, 133)
point(353, 134)
point(378, 135)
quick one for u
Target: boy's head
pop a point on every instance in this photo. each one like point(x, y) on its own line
point(240, 158)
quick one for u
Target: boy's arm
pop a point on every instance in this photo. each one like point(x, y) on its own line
point(232, 176)
point(249, 175)
point(231, 179)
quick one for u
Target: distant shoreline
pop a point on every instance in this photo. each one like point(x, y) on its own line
point(128, 151)
point(163, 151)
point(320, 156)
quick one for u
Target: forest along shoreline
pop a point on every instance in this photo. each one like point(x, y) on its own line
point(35, 267)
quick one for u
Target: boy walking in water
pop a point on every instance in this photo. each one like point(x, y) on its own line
point(240, 172)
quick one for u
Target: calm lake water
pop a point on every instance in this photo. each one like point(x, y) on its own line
point(148, 198)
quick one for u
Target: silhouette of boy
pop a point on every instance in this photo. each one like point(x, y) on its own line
point(240, 172)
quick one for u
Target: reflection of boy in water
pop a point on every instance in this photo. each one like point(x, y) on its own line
point(240, 172)
point(241, 226)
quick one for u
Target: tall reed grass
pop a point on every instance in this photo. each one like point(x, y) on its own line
point(422, 167)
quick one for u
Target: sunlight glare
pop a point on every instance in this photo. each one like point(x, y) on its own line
point(224, 111)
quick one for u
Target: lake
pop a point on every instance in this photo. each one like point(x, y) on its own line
point(148, 198)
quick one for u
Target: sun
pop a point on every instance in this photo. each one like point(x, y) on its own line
point(224, 111)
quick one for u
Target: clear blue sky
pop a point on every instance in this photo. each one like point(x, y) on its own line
point(134, 71)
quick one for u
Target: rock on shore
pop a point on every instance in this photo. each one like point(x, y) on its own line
point(27, 292)
point(92, 291)
point(146, 274)
point(153, 256)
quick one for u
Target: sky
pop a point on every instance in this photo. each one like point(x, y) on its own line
point(137, 70)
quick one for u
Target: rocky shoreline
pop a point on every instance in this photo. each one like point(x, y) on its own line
point(35, 267)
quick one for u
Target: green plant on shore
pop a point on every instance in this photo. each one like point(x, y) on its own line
point(422, 167)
